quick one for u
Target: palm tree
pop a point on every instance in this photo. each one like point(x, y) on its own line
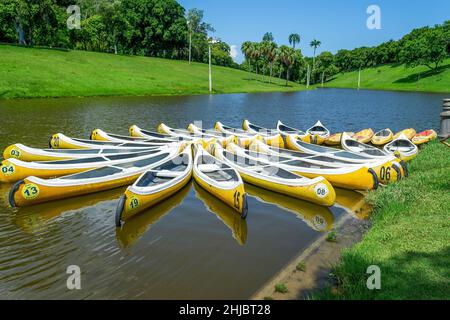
point(268, 37)
point(294, 38)
point(246, 49)
point(269, 50)
point(315, 44)
point(287, 57)
point(255, 54)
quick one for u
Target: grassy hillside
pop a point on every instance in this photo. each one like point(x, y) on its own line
point(29, 72)
point(397, 77)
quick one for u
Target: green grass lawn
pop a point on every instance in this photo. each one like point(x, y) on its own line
point(397, 77)
point(409, 239)
point(30, 72)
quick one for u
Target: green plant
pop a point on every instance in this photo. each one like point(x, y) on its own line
point(281, 288)
point(331, 236)
point(301, 266)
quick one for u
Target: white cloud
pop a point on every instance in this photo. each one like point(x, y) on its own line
point(233, 51)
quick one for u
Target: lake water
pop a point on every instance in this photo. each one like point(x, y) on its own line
point(190, 246)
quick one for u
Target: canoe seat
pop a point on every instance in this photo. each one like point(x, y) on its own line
point(209, 167)
point(168, 174)
point(257, 169)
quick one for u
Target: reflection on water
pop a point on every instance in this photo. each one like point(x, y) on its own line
point(319, 218)
point(226, 214)
point(353, 202)
point(34, 219)
point(179, 249)
point(135, 227)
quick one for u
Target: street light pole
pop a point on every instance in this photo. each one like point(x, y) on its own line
point(190, 40)
point(210, 74)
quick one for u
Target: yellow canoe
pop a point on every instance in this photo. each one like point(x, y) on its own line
point(319, 133)
point(25, 153)
point(424, 137)
point(408, 133)
point(335, 139)
point(33, 190)
point(155, 185)
point(364, 136)
point(61, 141)
point(12, 170)
point(137, 226)
point(382, 137)
point(403, 148)
point(219, 179)
point(275, 178)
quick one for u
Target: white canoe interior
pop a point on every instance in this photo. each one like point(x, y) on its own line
point(284, 129)
point(108, 173)
point(383, 133)
point(319, 129)
point(264, 170)
point(120, 138)
point(402, 144)
point(83, 143)
point(170, 173)
point(353, 145)
point(213, 171)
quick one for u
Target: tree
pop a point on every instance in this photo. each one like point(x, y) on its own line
point(157, 26)
point(268, 37)
point(325, 66)
point(294, 38)
point(198, 29)
point(269, 50)
point(287, 58)
point(220, 54)
point(299, 65)
point(246, 49)
point(428, 49)
point(255, 53)
point(315, 44)
point(117, 27)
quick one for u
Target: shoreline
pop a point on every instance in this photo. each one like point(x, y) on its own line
point(318, 259)
point(406, 236)
point(188, 94)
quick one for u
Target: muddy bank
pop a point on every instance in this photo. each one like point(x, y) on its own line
point(315, 262)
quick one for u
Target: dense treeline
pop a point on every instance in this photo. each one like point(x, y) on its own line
point(427, 46)
point(140, 27)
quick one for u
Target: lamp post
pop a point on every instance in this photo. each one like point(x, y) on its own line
point(190, 39)
point(210, 42)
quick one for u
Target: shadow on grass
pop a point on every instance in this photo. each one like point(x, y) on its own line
point(412, 275)
point(415, 76)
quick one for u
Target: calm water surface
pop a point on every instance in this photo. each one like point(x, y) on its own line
point(190, 246)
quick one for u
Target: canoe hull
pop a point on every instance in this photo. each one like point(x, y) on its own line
point(135, 203)
point(10, 172)
point(26, 192)
point(424, 137)
point(235, 197)
point(321, 192)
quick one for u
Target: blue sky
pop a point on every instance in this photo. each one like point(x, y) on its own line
point(337, 24)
